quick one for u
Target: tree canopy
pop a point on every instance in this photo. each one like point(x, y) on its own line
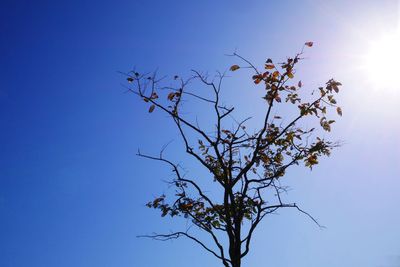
point(246, 164)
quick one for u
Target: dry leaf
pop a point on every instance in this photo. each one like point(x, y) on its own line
point(234, 67)
point(309, 44)
point(151, 109)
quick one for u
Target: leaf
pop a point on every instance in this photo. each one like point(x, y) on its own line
point(275, 74)
point(323, 92)
point(264, 158)
point(325, 124)
point(171, 96)
point(269, 60)
point(311, 160)
point(309, 44)
point(257, 81)
point(130, 79)
point(339, 111)
point(290, 75)
point(234, 67)
point(216, 224)
point(154, 95)
point(335, 88)
point(151, 109)
point(300, 84)
point(326, 127)
point(269, 66)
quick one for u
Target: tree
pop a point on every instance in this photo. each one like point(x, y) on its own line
point(246, 165)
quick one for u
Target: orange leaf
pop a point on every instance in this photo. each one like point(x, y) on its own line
point(269, 66)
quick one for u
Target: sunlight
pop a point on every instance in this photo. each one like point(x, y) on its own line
point(382, 61)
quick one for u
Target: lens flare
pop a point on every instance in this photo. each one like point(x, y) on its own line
point(382, 61)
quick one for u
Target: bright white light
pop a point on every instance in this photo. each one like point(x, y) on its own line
point(383, 61)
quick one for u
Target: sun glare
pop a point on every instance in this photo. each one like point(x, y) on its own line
point(382, 61)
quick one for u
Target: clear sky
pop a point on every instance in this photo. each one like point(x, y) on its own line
point(72, 191)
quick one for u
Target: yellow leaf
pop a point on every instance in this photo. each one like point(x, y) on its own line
point(290, 75)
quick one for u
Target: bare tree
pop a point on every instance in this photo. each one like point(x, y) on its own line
point(246, 165)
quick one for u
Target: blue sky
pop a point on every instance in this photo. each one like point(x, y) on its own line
point(72, 191)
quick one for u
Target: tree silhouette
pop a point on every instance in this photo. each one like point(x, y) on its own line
point(246, 165)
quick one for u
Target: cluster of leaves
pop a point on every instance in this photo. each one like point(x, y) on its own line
point(275, 83)
point(205, 217)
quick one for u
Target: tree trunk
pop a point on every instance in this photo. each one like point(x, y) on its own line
point(236, 262)
point(235, 252)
